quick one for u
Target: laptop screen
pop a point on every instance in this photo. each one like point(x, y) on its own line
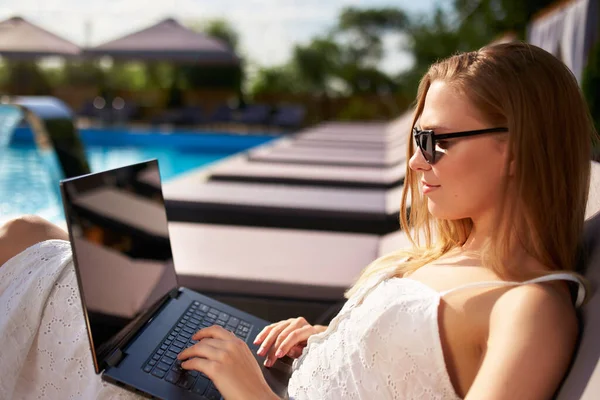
point(121, 249)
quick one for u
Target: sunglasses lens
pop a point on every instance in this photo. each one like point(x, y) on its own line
point(427, 147)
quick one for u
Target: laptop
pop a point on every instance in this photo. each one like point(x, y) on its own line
point(138, 318)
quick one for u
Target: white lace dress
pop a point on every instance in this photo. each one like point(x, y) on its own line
point(384, 343)
point(45, 350)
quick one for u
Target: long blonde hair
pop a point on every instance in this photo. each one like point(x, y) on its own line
point(528, 90)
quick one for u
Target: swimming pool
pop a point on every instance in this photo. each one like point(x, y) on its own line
point(28, 179)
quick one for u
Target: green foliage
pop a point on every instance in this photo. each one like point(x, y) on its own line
point(279, 79)
point(359, 110)
point(26, 78)
point(221, 29)
point(128, 76)
point(363, 30)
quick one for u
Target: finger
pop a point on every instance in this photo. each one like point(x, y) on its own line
point(295, 325)
point(298, 336)
point(207, 348)
point(263, 334)
point(199, 364)
point(296, 351)
point(215, 331)
point(270, 339)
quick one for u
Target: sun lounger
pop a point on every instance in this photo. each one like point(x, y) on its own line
point(338, 157)
point(255, 114)
point(240, 169)
point(375, 211)
point(583, 379)
point(288, 117)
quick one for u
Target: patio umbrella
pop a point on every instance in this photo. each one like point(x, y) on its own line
point(21, 39)
point(169, 41)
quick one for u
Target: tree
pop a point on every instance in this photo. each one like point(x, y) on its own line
point(222, 30)
point(470, 25)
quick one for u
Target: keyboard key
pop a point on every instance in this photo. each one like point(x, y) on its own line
point(179, 343)
point(152, 362)
point(220, 322)
point(186, 381)
point(148, 368)
point(201, 385)
point(168, 342)
point(177, 367)
point(204, 307)
point(206, 324)
point(167, 360)
point(173, 377)
point(164, 347)
point(159, 373)
point(156, 357)
point(223, 316)
point(185, 335)
point(191, 326)
point(193, 373)
point(176, 349)
point(188, 330)
point(163, 366)
point(215, 311)
point(169, 353)
point(160, 352)
point(194, 321)
point(171, 337)
point(212, 315)
point(212, 394)
point(233, 321)
point(196, 303)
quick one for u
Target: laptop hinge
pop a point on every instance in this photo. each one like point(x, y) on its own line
point(174, 294)
point(115, 358)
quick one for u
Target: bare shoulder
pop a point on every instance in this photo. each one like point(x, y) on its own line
point(532, 335)
point(537, 307)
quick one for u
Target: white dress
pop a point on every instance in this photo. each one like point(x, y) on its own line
point(45, 350)
point(384, 343)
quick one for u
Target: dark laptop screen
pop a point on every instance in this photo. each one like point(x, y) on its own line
point(118, 226)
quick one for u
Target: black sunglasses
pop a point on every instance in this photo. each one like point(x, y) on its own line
point(426, 140)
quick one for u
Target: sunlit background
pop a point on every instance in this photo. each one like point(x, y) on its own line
point(292, 64)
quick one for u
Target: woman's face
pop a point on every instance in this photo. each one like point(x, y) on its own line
point(465, 181)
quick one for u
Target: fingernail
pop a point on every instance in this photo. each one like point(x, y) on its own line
point(266, 363)
point(279, 354)
point(261, 351)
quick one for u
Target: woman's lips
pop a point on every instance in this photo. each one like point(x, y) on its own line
point(428, 188)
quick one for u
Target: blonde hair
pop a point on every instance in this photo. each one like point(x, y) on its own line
point(535, 96)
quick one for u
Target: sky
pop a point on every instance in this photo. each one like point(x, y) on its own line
point(268, 29)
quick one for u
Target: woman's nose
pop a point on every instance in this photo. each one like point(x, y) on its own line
point(417, 162)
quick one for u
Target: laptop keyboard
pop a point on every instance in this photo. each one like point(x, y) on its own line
point(163, 363)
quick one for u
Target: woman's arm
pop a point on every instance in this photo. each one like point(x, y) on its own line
point(532, 336)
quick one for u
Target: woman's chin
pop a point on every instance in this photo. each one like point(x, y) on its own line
point(439, 212)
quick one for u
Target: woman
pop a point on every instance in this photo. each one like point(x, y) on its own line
point(498, 180)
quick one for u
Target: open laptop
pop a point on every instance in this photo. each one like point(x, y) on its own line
point(138, 318)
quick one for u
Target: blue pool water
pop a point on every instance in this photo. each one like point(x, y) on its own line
point(29, 180)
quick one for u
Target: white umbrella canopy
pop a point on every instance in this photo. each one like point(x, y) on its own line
point(170, 41)
point(20, 39)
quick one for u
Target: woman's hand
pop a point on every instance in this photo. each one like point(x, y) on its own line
point(285, 338)
point(228, 362)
